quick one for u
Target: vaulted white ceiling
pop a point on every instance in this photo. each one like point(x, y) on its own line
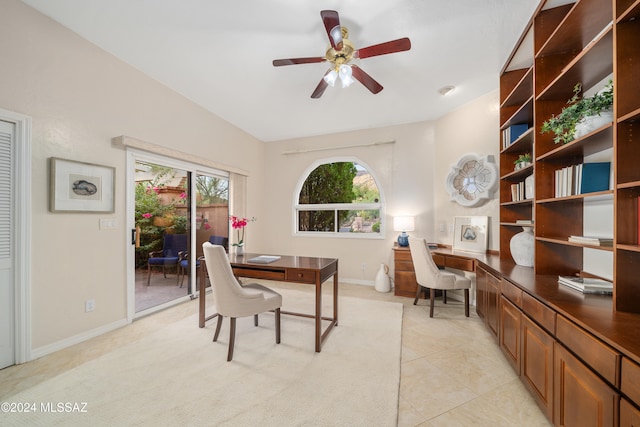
point(219, 54)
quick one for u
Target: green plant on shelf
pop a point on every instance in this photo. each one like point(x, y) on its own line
point(522, 161)
point(563, 126)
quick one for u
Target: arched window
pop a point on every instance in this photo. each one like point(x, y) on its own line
point(339, 198)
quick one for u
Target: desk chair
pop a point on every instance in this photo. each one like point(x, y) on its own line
point(233, 300)
point(428, 275)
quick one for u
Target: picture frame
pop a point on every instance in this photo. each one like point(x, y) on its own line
point(81, 187)
point(470, 233)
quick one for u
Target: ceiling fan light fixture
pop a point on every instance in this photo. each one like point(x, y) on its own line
point(331, 77)
point(345, 73)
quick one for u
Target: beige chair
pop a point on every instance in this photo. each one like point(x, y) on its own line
point(428, 275)
point(233, 300)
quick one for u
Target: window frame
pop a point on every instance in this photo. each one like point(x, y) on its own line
point(297, 207)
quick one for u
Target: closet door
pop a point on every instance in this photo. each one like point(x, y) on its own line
point(7, 286)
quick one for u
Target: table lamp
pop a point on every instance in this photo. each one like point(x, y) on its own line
point(404, 224)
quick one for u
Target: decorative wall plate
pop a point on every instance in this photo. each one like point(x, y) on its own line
point(472, 181)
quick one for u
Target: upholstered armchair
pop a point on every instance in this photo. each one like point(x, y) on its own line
point(183, 262)
point(233, 300)
point(428, 275)
point(169, 256)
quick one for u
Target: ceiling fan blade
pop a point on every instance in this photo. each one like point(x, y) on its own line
point(332, 26)
point(365, 79)
point(392, 46)
point(294, 61)
point(322, 86)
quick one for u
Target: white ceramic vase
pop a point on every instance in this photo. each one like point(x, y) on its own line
point(383, 283)
point(240, 250)
point(522, 247)
point(591, 123)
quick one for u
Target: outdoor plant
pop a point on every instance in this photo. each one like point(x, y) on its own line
point(564, 124)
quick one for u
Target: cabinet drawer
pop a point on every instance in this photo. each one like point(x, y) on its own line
point(511, 292)
point(301, 276)
point(459, 263)
point(402, 255)
point(403, 266)
point(630, 386)
point(629, 415)
point(599, 356)
point(539, 312)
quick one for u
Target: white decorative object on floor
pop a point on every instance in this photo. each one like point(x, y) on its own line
point(383, 283)
point(522, 247)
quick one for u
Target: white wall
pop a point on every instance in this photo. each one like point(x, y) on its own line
point(474, 128)
point(79, 98)
point(411, 174)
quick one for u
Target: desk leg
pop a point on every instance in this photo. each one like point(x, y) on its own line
point(202, 297)
point(335, 298)
point(318, 314)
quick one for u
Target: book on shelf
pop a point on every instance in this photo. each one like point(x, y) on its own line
point(582, 179)
point(264, 259)
point(592, 240)
point(517, 192)
point(587, 285)
point(524, 221)
point(512, 133)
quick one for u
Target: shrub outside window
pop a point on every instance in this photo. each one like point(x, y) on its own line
point(339, 198)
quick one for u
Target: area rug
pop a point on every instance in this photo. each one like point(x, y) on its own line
point(178, 376)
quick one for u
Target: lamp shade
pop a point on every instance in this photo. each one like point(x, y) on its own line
point(403, 223)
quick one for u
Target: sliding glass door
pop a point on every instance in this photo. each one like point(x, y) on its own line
point(176, 207)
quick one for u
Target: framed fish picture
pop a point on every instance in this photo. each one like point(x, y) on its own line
point(81, 187)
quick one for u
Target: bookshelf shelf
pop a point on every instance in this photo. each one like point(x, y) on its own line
point(591, 143)
point(565, 242)
point(629, 248)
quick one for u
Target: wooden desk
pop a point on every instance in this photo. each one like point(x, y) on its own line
point(405, 284)
point(296, 269)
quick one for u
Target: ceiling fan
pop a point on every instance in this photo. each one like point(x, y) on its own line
point(340, 54)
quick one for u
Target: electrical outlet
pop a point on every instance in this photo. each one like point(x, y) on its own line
point(89, 305)
point(363, 267)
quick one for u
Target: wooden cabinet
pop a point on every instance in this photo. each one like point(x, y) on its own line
point(405, 284)
point(481, 292)
point(629, 415)
point(492, 316)
point(537, 364)
point(581, 398)
point(510, 332)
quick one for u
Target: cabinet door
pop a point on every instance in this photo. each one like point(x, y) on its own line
point(493, 302)
point(537, 364)
point(510, 324)
point(629, 415)
point(581, 399)
point(481, 292)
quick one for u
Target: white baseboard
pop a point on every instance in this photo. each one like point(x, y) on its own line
point(37, 353)
point(358, 282)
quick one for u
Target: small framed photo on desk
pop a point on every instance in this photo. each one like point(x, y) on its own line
point(470, 233)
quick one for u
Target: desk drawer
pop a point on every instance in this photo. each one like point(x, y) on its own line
point(403, 266)
point(539, 312)
point(402, 255)
point(258, 274)
point(300, 275)
point(630, 380)
point(439, 260)
point(511, 292)
point(459, 263)
point(599, 356)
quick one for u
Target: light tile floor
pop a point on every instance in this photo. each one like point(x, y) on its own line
point(452, 371)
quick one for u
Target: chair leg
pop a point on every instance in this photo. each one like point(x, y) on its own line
point(466, 302)
point(232, 338)
point(418, 291)
point(277, 325)
point(255, 320)
point(432, 298)
point(215, 336)
point(444, 296)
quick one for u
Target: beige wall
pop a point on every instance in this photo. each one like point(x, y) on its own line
point(80, 97)
point(411, 174)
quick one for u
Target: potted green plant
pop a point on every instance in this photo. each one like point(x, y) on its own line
point(579, 115)
point(522, 161)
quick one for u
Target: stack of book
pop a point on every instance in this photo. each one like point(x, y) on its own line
point(524, 221)
point(582, 179)
point(592, 240)
point(586, 285)
point(512, 133)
